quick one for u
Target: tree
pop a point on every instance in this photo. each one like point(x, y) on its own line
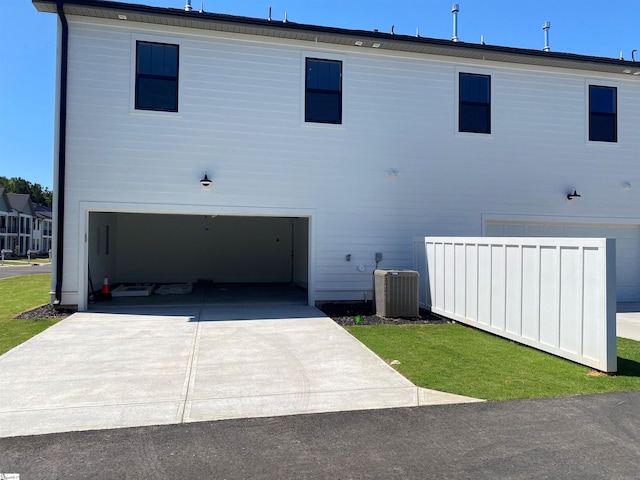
point(39, 195)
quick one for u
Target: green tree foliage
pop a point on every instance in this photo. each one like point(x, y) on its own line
point(39, 195)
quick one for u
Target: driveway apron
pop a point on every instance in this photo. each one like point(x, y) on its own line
point(184, 364)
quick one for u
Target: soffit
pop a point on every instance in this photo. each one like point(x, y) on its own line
point(336, 36)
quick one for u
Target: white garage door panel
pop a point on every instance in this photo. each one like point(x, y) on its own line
point(627, 246)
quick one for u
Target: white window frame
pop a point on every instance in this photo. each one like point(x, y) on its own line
point(139, 37)
point(321, 55)
point(472, 70)
point(600, 82)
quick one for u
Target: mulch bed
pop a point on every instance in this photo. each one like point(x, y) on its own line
point(344, 313)
point(44, 312)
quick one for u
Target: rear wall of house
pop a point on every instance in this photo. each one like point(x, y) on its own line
point(241, 120)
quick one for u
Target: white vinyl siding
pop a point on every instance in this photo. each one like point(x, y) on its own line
point(239, 120)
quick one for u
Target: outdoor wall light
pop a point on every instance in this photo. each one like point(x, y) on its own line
point(573, 195)
point(206, 181)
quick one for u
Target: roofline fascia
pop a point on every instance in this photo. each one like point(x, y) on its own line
point(315, 29)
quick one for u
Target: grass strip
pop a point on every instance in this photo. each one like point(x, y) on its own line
point(18, 294)
point(459, 359)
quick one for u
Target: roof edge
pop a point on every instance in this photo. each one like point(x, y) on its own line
point(388, 41)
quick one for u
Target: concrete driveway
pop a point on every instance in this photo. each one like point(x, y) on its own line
point(186, 364)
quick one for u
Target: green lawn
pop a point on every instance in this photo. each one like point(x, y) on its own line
point(18, 294)
point(458, 359)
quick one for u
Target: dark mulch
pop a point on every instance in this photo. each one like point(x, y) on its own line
point(343, 313)
point(348, 313)
point(45, 311)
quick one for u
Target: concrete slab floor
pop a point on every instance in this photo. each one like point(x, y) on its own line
point(628, 320)
point(175, 364)
point(212, 294)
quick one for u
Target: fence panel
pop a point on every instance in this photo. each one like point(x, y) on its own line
point(554, 294)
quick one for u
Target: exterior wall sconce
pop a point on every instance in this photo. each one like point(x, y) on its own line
point(206, 181)
point(573, 195)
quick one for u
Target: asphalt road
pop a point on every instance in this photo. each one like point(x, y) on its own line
point(7, 271)
point(581, 437)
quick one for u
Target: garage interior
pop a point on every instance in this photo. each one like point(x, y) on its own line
point(198, 259)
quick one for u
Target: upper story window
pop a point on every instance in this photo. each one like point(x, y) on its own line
point(323, 91)
point(156, 76)
point(474, 94)
point(603, 114)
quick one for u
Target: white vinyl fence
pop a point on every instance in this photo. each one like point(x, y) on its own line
point(554, 294)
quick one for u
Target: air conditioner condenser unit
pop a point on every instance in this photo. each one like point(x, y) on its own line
point(396, 293)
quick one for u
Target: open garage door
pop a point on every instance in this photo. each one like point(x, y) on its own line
point(200, 249)
point(627, 246)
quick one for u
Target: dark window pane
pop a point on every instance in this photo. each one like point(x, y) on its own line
point(157, 77)
point(323, 96)
point(335, 75)
point(602, 128)
point(323, 108)
point(312, 74)
point(474, 113)
point(144, 58)
point(165, 60)
point(602, 99)
point(603, 118)
point(474, 88)
point(157, 94)
point(474, 118)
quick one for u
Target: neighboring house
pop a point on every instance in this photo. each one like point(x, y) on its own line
point(42, 229)
point(324, 146)
point(24, 226)
point(23, 214)
point(8, 223)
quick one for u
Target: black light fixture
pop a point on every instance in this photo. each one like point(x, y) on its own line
point(206, 181)
point(573, 195)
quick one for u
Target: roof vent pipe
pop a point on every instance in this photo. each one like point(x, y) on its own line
point(546, 26)
point(455, 9)
point(269, 14)
point(187, 7)
point(633, 55)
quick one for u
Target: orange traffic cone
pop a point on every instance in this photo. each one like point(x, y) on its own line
point(105, 292)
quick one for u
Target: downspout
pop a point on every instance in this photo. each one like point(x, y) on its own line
point(62, 135)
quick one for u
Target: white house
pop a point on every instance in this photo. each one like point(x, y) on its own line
point(324, 147)
point(8, 223)
point(42, 229)
point(24, 225)
point(19, 215)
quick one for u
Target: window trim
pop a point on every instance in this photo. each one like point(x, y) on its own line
point(316, 55)
point(168, 40)
point(474, 72)
point(140, 76)
point(598, 83)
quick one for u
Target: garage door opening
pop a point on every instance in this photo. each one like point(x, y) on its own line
point(199, 258)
